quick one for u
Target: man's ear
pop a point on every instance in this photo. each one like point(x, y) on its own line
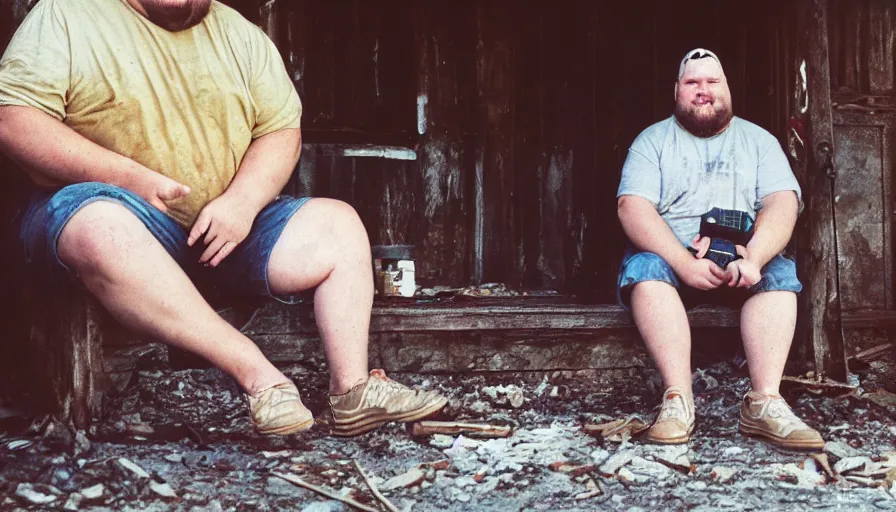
point(675, 93)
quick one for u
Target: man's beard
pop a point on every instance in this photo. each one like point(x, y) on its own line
point(703, 125)
point(176, 17)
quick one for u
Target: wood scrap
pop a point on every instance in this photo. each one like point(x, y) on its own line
point(374, 490)
point(617, 430)
point(875, 353)
point(820, 386)
point(480, 430)
point(323, 491)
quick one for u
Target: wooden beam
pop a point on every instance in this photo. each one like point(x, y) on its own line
point(67, 337)
point(817, 258)
point(869, 319)
point(479, 315)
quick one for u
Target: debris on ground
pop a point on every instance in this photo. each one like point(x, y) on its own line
point(181, 440)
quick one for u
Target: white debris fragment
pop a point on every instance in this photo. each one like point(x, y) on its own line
point(840, 450)
point(133, 468)
point(276, 455)
point(512, 394)
point(404, 480)
point(27, 491)
point(723, 474)
point(162, 489)
point(732, 451)
point(441, 441)
point(650, 469)
point(93, 492)
point(174, 457)
point(616, 461)
point(674, 456)
point(627, 475)
point(804, 479)
point(600, 455)
point(73, 502)
point(542, 386)
point(851, 463)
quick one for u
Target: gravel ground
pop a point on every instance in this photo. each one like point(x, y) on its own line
point(181, 440)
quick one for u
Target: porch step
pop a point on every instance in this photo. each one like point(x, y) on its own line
point(477, 314)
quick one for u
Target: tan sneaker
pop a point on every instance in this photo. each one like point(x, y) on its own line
point(279, 410)
point(379, 401)
point(771, 419)
point(675, 422)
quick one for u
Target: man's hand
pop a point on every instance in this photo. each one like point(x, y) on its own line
point(225, 224)
point(157, 189)
point(701, 274)
point(701, 245)
point(743, 273)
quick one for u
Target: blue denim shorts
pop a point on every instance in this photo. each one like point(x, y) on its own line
point(244, 271)
point(779, 274)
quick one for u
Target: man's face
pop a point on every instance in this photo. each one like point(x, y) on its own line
point(702, 98)
point(173, 15)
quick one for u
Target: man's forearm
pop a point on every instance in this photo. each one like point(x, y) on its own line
point(774, 226)
point(53, 154)
point(649, 232)
point(266, 168)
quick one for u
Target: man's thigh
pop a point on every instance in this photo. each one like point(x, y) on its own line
point(779, 274)
point(245, 271)
point(47, 213)
point(638, 267)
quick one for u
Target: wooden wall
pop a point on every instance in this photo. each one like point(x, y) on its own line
point(524, 114)
point(863, 86)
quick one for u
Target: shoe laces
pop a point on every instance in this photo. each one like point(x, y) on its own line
point(385, 386)
point(776, 407)
point(674, 408)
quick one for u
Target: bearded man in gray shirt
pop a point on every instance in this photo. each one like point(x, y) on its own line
point(678, 170)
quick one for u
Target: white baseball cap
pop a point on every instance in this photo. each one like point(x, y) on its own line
point(695, 54)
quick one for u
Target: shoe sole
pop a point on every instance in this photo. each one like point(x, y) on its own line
point(287, 429)
point(668, 440)
point(780, 442)
point(367, 423)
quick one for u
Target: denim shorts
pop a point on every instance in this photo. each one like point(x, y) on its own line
point(779, 274)
point(244, 271)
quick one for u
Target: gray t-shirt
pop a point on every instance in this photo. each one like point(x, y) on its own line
point(686, 176)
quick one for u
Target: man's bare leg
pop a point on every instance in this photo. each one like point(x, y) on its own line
point(129, 271)
point(325, 245)
point(767, 323)
point(663, 324)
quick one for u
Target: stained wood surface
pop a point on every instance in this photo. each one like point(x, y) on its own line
point(863, 209)
point(819, 318)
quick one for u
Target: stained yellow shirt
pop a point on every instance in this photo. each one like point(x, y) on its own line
point(185, 104)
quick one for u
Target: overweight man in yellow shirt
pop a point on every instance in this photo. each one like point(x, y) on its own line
point(158, 134)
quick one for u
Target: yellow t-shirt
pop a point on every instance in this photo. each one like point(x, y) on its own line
point(186, 104)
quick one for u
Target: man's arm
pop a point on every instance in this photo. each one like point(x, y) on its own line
point(53, 154)
point(267, 166)
point(649, 232)
point(773, 229)
point(774, 226)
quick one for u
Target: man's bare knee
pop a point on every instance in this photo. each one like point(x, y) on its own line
point(340, 223)
point(97, 235)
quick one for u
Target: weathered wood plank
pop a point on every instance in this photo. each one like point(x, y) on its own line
point(67, 337)
point(819, 315)
point(862, 198)
point(869, 318)
point(880, 40)
point(275, 318)
point(499, 246)
point(444, 98)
